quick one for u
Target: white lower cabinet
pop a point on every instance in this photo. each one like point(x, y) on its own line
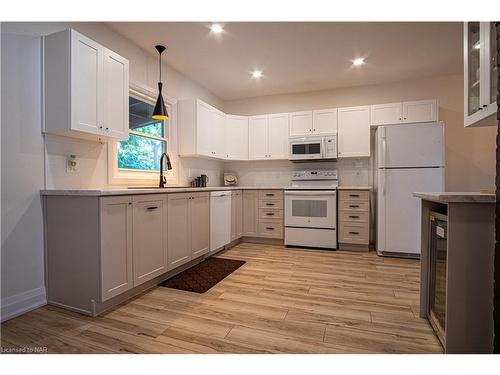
point(149, 237)
point(189, 224)
point(116, 256)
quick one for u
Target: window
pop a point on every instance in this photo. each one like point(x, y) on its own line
point(146, 143)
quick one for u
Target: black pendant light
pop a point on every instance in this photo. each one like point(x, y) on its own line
point(160, 111)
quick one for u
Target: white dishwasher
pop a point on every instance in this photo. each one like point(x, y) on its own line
point(220, 220)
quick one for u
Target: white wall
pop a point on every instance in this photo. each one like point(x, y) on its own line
point(22, 172)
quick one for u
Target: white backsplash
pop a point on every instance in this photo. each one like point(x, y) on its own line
point(353, 171)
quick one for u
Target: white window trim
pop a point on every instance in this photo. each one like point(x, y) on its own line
point(118, 176)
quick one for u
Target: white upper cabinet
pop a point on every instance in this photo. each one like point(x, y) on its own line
point(201, 129)
point(386, 114)
point(301, 123)
point(236, 137)
point(420, 111)
point(278, 136)
point(257, 138)
point(404, 113)
point(480, 74)
point(354, 132)
point(85, 88)
point(324, 121)
point(268, 137)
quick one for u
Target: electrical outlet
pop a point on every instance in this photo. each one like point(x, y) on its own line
point(71, 164)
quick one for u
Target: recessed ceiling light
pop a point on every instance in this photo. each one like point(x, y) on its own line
point(358, 61)
point(257, 74)
point(216, 28)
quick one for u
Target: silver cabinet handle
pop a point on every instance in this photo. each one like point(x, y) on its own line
point(269, 228)
point(353, 216)
point(270, 214)
point(354, 205)
point(354, 233)
point(269, 204)
point(152, 208)
point(354, 195)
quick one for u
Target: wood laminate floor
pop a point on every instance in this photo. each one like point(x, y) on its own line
point(283, 300)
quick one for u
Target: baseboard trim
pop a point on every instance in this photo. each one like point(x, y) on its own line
point(22, 303)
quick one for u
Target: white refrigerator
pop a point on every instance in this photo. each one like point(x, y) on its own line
point(409, 158)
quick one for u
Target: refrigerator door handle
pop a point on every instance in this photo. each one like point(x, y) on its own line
point(383, 181)
point(384, 147)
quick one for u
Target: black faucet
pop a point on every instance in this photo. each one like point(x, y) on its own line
point(163, 180)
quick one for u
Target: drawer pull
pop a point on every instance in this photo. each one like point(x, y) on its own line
point(152, 208)
point(353, 216)
point(354, 233)
point(270, 214)
point(269, 204)
point(270, 195)
point(269, 228)
point(354, 205)
point(354, 195)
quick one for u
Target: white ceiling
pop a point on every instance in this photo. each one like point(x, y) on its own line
point(297, 57)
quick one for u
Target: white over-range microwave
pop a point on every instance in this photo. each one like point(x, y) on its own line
point(313, 148)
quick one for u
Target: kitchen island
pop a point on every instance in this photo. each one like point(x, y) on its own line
point(456, 278)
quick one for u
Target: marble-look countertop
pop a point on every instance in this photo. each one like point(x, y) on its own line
point(133, 191)
point(354, 187)
point(457, 197)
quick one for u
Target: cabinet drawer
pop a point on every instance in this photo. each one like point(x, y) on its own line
point(270, 213)
point(270, 203)
point(354, 195)
point(271, 228)
point(354, 206)
point(359, 217)
point(353, 233)
point(270, 194)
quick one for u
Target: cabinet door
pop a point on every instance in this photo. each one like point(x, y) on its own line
point(115, 88)
point(218, 134)
point(236, 137)
point(278, 136)
point(420, 111)
point(354, 132)
point(179, 240)
point(116, 246)
point(204, 129)
point(250, 213)
point(325, 121)
point(386, 114)
point(257, 138)
point(200, 224)
point(150, 258)
point(86, 84)
point(301, 123)
point(236, 215)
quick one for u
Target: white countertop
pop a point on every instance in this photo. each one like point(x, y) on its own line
point(125, 191)
point(457, 197)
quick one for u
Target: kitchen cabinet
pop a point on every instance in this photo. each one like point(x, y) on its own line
point(325, 122)
point(480, 74)
point(236, 214)
point(250, 213)
point(85, 88)
point(201, 129)
point(404, 113)
point(116, 256)
point(354, 132)
point(149, 237)
point(354, 220)
point(236, 137)
point(301, 124)
point(268, 137)
point(188, 218)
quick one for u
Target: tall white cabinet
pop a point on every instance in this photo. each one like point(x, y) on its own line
point(480, 74)
point(85, 88)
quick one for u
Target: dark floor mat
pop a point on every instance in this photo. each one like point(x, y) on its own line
point(204, 275)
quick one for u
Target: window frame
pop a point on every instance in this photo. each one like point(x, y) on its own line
point(134, 177)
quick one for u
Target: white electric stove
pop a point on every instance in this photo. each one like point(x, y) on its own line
point(311, 209)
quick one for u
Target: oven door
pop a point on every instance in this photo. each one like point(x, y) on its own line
point(301, 149)
point(311, 208)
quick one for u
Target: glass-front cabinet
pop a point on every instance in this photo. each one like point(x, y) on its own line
point(480, 73)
